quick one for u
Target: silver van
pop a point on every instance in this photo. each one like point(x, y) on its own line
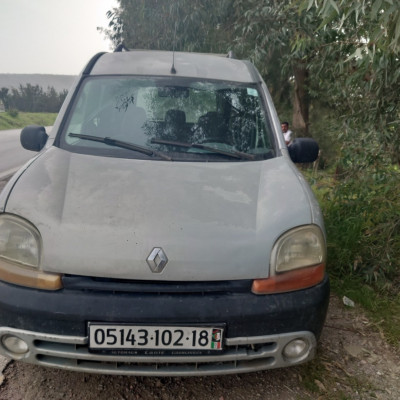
point(163, 228)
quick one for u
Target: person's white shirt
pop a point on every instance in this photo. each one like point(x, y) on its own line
point(288, 136)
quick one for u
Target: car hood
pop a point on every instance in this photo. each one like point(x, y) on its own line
point(102, 216)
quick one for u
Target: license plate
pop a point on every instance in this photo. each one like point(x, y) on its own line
point(136, 339)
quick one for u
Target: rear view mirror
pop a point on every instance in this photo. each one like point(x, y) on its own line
point(33, 137)
point(303, 150)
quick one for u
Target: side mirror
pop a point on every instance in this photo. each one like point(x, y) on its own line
point(303, 150)
point(33, 137)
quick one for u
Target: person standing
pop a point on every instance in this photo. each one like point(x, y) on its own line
point(287, 133)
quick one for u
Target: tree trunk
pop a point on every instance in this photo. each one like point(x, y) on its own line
point(301, 101)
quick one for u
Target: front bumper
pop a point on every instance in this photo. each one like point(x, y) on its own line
point(245, 354)
point(54, 326)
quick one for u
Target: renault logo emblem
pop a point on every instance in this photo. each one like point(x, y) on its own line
point(157, 260)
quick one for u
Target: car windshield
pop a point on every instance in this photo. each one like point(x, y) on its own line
point(174, 119)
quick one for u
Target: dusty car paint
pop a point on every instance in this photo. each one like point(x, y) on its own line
point(213, 220)
point(93, 234)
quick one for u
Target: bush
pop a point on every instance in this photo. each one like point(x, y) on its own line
point(13, 113)
point(363, 226)
point(362, 213)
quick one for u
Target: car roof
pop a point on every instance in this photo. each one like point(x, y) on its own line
point(159, 63)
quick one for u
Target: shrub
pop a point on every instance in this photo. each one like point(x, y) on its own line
point(362, 213)
point(13, 113)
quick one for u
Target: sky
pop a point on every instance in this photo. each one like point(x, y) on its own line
point(51, 36)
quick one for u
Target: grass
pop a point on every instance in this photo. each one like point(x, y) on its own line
point(382, 305)
point(379, 298)
point(8, 120)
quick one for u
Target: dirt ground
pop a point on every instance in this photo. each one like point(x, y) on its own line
point(354, 362)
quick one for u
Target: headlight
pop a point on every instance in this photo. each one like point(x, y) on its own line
point(299, 248)
point(297, 261)
point(19, 241)
point(20, 252)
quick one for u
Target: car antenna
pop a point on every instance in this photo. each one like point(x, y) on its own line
point(173, 70)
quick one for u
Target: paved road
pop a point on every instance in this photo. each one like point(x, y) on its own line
point(12, 154)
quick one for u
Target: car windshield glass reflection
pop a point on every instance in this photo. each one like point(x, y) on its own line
point(171, 118)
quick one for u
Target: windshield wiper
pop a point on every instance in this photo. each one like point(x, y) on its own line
point(234, 154)
point(122, 144)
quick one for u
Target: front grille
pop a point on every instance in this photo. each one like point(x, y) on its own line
point(75, 282)
point(243, 354)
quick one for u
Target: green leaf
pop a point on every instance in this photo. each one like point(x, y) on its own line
point(334, 5)
point(310, 4)
point(397, 31)
point(376, 7)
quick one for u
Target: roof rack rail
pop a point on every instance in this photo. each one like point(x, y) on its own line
point(231, 54)
point(121, 47)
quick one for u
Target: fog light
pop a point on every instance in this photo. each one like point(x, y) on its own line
point(296, 349)
point(15, 345)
